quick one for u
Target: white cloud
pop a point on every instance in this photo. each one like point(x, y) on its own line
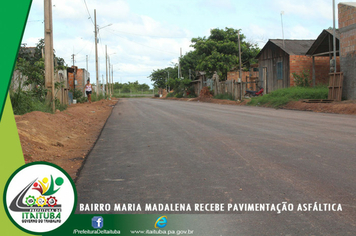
point(138, 43)
point(218, 6)
point(300, 32)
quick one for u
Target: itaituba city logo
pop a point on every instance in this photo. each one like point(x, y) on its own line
point(39, 194)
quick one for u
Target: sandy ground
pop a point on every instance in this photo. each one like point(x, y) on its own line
point(64, 138)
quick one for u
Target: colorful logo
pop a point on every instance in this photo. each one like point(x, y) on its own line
point(97, 222)
point(42, 204)
point(161, 222)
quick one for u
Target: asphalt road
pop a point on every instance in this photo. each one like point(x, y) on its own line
point(161, 151)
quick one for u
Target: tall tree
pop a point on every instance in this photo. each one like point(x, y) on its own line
point(160, 77)
point(189, 62)
point(219, 52)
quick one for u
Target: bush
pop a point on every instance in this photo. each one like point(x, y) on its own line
point(224, 96)
point(24, 102)
point(302, 79)
point(170, 95)
point(179, 95)
point(281, 97)
point(77, 94)
point(95, 98)
point(82, 99)
point(191, 96)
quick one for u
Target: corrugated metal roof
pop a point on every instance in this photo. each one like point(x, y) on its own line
point(322, 43)
point(292, 47)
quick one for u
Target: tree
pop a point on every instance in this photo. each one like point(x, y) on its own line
point(219, 52)
point(189, 62)
point(159, 77)
point(33, 56)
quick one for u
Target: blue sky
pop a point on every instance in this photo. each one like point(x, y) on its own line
point(147, 35)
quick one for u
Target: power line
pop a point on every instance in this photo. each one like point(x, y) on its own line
point(86, 6)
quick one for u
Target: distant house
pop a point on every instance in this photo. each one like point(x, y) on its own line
point(279, 59)
point(77, 78)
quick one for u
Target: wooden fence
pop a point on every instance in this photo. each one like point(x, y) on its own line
point(230, 87)
point(335, 86)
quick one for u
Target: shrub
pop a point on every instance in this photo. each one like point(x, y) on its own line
point(302, 79)
point(24, 102)
point(191, 96)
point(77, 94)
point(170, 95)
point(179, 95)
point(95, 98)
point(224, 96)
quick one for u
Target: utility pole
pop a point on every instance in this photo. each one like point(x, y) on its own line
point(49, 63)
point(87, 63)
point(74, 73)
point(102, 84)
point(106, 60)
point(240, 66)
point(180, 68)
point(96, 54)
point(112, 80)
point(282, 13)
point(109, 90)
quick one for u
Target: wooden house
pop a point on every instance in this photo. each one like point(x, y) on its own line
point(279, 59)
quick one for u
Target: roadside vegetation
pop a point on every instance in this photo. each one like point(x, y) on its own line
point(303, 90)
point(224, 96)
point(132, 90)
point(216, 53)
point(281, 97)
point(28, 92)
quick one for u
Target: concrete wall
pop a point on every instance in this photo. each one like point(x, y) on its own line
point(347, 27)
point(17, 79)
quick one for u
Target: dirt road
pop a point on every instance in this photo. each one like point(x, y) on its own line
point(160, 151)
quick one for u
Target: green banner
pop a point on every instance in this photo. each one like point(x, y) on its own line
point(13, 15)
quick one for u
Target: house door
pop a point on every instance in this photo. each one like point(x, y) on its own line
point(264, 79)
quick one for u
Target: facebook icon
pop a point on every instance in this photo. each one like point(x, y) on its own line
point(97, 222)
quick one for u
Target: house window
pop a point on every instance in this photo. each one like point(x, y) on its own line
point(279, 70)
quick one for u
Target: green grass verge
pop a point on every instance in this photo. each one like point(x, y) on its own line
point(281, 97)
point(224, 97)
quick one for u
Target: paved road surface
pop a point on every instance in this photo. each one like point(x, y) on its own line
point(159, 151)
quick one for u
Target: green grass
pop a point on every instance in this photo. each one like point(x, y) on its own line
point(224, 96)
point(25, 102)
point(138, 94)
point(281, 97)
point(95, 98)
